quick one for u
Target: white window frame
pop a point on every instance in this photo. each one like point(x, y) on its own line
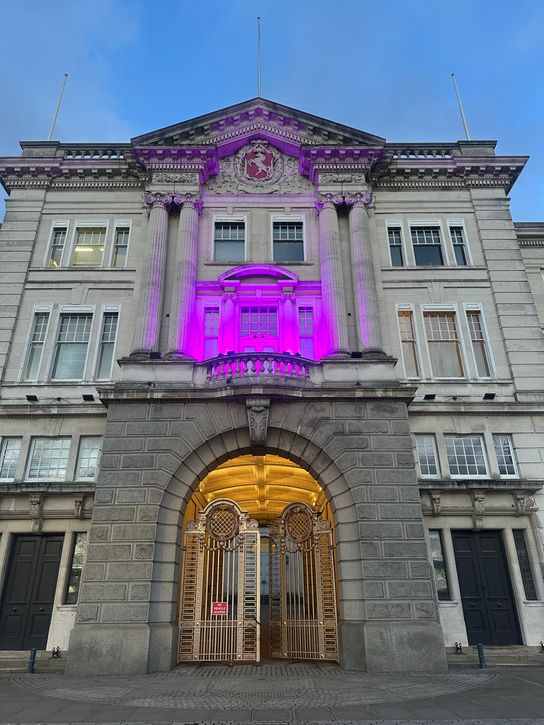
point(444, 308)
point(73, 310)
point(288, 218)
point(31, 453)
point(96, 341)
point(462, 476)
point(477, 307)
point(3, 444)
point(230, 218)
point(118, 224)
point(57, 224)
point(438, 474)
point(412, 309)
point(37, 309)
point(77, 477)
point(397, 224)
point(459, 223)
point(443, 243)
point(79, 224)
point(512, 451)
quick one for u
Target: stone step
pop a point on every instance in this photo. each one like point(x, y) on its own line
point(17, 661)
point(515, 655)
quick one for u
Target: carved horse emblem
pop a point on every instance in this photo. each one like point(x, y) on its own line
point(259, 161)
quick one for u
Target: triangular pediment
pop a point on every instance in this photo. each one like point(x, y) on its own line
point(254, 118)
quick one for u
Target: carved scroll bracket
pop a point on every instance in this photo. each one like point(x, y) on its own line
point(478, 509)
point(257, 416)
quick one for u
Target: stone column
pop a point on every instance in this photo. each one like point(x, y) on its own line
point(364, 280)
point(181, 330)
point(332, 281)
point(148, 317)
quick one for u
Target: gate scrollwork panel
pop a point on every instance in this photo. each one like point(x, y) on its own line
point(302, 602)
point(219, 608)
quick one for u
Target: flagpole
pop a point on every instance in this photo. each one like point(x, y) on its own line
point(53, 122)
point(463, 118)
point(259, 87)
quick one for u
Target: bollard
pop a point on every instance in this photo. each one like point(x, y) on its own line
point(32, 660)
point(481, 656)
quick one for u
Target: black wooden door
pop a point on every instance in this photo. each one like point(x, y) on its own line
point(486, 591)
point(29, 593)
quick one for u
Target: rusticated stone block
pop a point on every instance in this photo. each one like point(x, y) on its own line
point(368, 427)
point(143, 551)
point(388, 610)
point(103, 591)
point(133, 532)
point(367, 511)
point(95, 572)
point(380, 530)
point(371, 550)
point(409, 493)
point(414, 531)
point(132, 570)
point(384, 569)
point(108, 552)
point(103, 495)
point(404, 550)
point(400, 511)
point(349, 409)
point(99, 533)
point(114, 513)
point(425, 610)
point(147, 513)
point(374, 590)
point(131, 495)
point(139, 592)
point(374, 459)
point(122, 444)
point(119, 478)
point(138, 460)
point(127, 411)
point(383, 493)
point(396, 475)
point(387, 410)
point(124, 613)
point(87, 613)
point(409, 589)
point(146, 428)
point(391, 443)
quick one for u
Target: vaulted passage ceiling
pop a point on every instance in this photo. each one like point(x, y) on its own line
point(261, 485)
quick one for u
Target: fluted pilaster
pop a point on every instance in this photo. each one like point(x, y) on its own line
point(332, 280)
point(180, 340)
point(149, 311)
point(362, 265)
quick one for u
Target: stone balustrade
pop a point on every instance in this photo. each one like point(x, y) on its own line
point(254, 364)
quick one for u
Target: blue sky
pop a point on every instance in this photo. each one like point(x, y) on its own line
point(382, 66)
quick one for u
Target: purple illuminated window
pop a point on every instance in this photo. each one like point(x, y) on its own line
point(259, 321)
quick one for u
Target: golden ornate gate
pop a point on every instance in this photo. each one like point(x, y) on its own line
point(303, 616)
point(219, 609)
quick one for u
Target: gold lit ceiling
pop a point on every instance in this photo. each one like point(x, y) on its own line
point(262, 485)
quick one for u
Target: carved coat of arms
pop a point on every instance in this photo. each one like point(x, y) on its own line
point(258, 162)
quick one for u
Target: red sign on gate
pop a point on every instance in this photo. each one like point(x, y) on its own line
point(219, 609)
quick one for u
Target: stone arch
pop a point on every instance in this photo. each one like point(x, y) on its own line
point(183, 483)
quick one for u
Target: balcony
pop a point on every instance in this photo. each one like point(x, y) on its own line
point(254, 365)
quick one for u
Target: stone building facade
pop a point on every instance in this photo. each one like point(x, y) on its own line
point(263, 285)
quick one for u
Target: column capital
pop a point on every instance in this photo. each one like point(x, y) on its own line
point(189, 200)
point(328, 201)
point(160, 199)
point(363, 199)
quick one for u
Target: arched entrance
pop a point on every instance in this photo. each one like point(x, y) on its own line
point(258, 566)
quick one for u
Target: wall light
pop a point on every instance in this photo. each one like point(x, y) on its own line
point(489, 396)
point(429, 396)
point(88, 397)
point(32, 398)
